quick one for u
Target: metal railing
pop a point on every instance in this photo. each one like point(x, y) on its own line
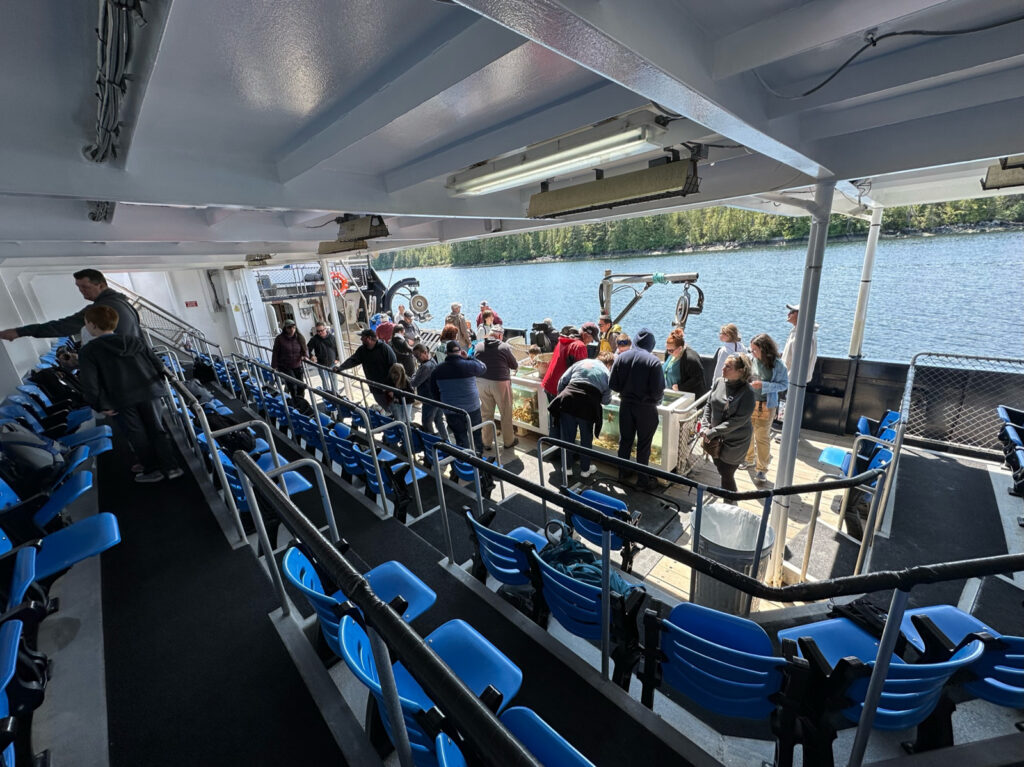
point(389, 633)
point(901, 581)
point(155, 317)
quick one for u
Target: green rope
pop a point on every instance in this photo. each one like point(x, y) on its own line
point(659, 278)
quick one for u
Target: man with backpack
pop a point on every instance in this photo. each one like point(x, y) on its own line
point(120, 376)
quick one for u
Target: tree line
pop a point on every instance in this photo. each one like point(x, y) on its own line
point(701, 228)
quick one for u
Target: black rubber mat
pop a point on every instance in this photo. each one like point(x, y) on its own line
point(195, 672)
point(832, 554)
point(1000, 605)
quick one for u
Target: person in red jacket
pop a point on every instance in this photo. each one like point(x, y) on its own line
point(568, 351)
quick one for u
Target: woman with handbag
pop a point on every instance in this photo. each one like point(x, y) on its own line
point(726, 428)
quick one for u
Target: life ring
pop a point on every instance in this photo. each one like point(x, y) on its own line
point(340, 284)
point(337, 293)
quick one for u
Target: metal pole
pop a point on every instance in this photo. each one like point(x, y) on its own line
point(798, 375)
point(860, 314)
point(443, 504)
point(264, 542)
point(389, 692)
point(867, 539)
point(606, 601)
point(333, 306)
point(698, 509)
point(885, 649)
point(758, 547)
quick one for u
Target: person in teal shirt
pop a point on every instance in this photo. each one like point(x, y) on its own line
point(769, 378)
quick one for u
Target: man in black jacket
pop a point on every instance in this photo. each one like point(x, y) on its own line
point(376, 357)
point(638, 378)
point(322, 350)
point(93, 287)
point(120, 376)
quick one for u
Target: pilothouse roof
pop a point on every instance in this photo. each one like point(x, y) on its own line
point(246, 123)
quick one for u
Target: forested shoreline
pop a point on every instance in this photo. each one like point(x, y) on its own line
point(701, 229)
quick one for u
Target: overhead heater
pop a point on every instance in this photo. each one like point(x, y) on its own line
point(353, 232)
point(594, 147)
point(1009, 172)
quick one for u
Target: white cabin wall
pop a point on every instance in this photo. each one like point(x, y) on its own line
point(192, 285)
point(20, 356)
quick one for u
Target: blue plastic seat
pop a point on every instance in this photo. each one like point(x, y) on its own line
point(501, 554)
point(388, 580)
point(591, 531)
point(911, 690)
point(294, 482)
point(721, 662)
point(540, 739)
point(63, 548)
point(394, 475)
point(428, 442)
point(577, 607)
point(477, 662)
point(998, 675)
point(10, 641)
point(874, 428)
point(342, 452)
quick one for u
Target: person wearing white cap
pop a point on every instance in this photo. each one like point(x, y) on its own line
point(790, 349)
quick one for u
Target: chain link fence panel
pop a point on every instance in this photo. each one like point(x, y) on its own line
point(953, 399)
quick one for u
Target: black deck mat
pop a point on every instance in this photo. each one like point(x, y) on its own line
point(1000, 605)
point(945, 510)
point(832, 554)
point(195, 672)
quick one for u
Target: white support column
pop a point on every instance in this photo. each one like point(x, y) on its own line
point(325, 270)
point(820, 212)
point(859, 316)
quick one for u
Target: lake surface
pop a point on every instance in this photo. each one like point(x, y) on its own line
point(956, 294)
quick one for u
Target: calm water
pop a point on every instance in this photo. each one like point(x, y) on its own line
point(958, 293)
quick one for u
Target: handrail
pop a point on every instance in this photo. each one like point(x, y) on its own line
point(476, 722)
point(800, 592)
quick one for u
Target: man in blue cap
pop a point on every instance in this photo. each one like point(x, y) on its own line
point(639, 380)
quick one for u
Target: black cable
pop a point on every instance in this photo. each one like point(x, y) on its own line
point(335, 220)
point(873, 41)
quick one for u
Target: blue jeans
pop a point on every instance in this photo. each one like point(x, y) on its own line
point(433, 421)
point(568, 425)
point(457, 426)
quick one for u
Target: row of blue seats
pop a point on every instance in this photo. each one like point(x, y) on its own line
point(726, 664)
point(1011, 435)
point(484, 669)
point(38, 545)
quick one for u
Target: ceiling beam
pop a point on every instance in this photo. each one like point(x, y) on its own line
point(648, 47)
point(462, 51)
point(805, 28)
point(593, 105)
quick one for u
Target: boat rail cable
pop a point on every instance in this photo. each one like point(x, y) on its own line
point(477, 723)
point(140, 303)
point(114, 51)
point(872, 39)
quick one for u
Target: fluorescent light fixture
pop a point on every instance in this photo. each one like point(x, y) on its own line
point(579, 151)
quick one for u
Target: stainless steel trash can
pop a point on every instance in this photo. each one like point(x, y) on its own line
point(728, 535)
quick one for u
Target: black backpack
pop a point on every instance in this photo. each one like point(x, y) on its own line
point(234, 440)
point(203, 372)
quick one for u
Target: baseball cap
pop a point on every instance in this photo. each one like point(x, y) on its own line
point(287, 323)
point(452, 347)
point(407, 314)
point(570, 330)
point(793, 307)
point(497, 329)
point(605, 318)
point(367, 333)
point(590, 327)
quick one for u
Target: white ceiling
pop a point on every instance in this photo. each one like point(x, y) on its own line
point(248, 121)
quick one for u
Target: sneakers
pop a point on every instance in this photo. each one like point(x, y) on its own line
point(743, 465)
point(174, 473)
point(150, 476)
point(137, 468)
point(589, 472)
point(760, 477)
point(513, 443)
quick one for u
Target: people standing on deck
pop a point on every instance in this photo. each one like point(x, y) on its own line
point(483, 327)
point(376, 357)
point(582, 391)
point(790, 349)
point(412, 331)
point(458, 319)
point(495, 317)
point(569, 350)
point(432, 416)
point(607, 335)
point(495, 385)
point(682, 367)
point(121, 377)
point(403, 350)
point(399, 405)
point(322, 351)
point(639, 380)
point(729, 335)
point(93, 287)
point(455, 379)
point(448, 333)
point(288, 353)
point(768, 378)
point(589, 334)
point(727, 415)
